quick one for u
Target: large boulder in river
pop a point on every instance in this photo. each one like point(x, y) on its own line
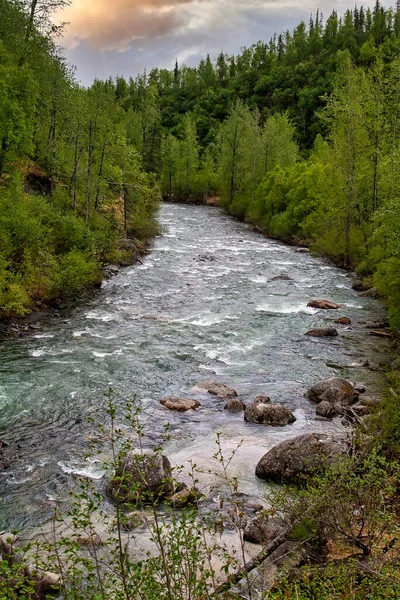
point(180, 404)
point(335, 391)
point(322, 332)
point(324, 304)
point(217, 389)
point(293, 459)
point(268, 414)
point(141, 477)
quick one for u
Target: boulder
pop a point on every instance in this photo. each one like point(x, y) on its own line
point(268, 414)
point(263, 528)
point(141, 477)
point(335, 391)
point(235, 405)
point(180, 404)
point(246, 503)
point(323, 304)
point(293, 459)
point(322, 332)
point(325, 409)
point(262, 400)
point(302, 250)
point(186, 497)
point(343, 321)
point(217, 389)
point(359, 286)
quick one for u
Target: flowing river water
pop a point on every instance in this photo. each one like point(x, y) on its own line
point(203, 305)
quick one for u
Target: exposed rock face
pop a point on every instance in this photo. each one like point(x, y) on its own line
point(263, 528)
point(268, 414)
point(180, 404)
point(335, 391)
point(322, 332)
point(141, 477)
point(324, 304)
point(291, 460)
point(235, 405)
point(343, 321)
point(217, 389)
point(186, 497)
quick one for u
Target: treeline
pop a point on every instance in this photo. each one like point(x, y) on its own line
point(72, 186)
point(300, 136)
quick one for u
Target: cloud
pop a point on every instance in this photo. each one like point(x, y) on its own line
point(117, 25)
point(127, 36)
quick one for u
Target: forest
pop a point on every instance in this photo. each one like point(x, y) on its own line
point(299, 135)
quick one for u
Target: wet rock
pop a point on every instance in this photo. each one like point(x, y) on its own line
point(302, 251)
point(217, 389)
point(141, 477)
point(343, 321)
point(294, 459)
point(187, 497)
point(370, 293)
point(234, 405)
point(323, 304)
point(281, 278)
point(367, 401)
point(263, 528)
point(133, 520)
point(325, 409)
point(359, 286)
point(268, 414)
point(180, 404)
point(249, 504)
point(333, 390)
point(322, 332)
point(361, 410)
point(262, 400)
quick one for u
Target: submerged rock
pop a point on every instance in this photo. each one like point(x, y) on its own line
point(180, 404)
point(335, 391)
point(217, 389)
point(291, 460)
point(141, 477)
point(187, 497)
point(323, 304)
point(268, 414)
point(322, 332)
point(281, 278)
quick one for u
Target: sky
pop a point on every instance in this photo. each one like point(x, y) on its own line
point(124, 37)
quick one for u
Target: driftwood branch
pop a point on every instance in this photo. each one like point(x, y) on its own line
point(251, 565)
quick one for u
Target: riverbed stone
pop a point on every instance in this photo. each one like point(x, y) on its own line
point(322, 332)
point(220, 390)
point(335, 391)
point(325, 409)
point(268, 414)
point(141, 477)
point(180, 404)
point(187, 497)
point(263, 528)
point(294, 459)
point(234, 405)
point(343, 321)
point(282, 277)
point(323, 304)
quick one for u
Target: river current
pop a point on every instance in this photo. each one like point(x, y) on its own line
point(203, 305)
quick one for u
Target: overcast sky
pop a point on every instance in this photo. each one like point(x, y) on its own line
point(124, 37)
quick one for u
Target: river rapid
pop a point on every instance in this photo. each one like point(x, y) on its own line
point(203, 305)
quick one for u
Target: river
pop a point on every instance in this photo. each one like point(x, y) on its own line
point(203, 305)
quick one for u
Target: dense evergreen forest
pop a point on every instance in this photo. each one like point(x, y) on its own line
point(300, 136)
